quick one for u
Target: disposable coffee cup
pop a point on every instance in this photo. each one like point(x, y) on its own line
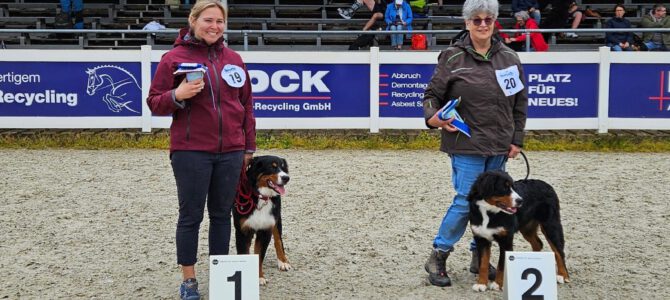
point(191, 76)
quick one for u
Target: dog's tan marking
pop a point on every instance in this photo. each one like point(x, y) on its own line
point(257, 250)
point(562, 270)
point(529, 233)
point(279, 248)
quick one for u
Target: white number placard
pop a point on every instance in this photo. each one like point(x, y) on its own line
point(530, 276)
point(233, 277)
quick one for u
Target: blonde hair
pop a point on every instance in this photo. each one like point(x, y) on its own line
point(201, 5)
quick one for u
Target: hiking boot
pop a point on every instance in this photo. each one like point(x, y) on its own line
point(474, 266)
point(345, 12)
point(436, 268)
point(188, 290)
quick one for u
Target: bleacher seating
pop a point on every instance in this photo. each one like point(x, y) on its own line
point(318, 15)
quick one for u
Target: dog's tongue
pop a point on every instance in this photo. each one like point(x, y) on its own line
point(512, 209)
point(279, 189)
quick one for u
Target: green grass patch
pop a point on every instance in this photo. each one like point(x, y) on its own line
point(333, 139)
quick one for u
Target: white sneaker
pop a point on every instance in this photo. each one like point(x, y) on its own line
point(345, 13)
point(571, 35)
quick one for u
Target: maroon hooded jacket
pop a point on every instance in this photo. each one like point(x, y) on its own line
point(218, 119)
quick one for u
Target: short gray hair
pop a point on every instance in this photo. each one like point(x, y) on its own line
point(522, 14)
point(473, 7)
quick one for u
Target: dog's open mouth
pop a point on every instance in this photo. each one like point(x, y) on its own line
point(276, 187)
point(509, 210)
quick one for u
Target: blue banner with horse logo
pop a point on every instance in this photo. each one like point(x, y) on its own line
point(70, 89)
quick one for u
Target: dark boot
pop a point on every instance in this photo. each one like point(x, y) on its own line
point(436, 268)
point(474, 266)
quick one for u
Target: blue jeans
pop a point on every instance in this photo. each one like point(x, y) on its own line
point(617, 47)
point(464, 171)
point(536, 15)
point(396, 39)
point(74, 8)
point(651, 46)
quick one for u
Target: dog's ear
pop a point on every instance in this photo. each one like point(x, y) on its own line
point(284, 165)
point(476, 192)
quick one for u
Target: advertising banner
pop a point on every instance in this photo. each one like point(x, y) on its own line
point(639, 91)
point(70, 89)
point(401, 88)
point(554, 90)
point(310, 90)
point(562, 90)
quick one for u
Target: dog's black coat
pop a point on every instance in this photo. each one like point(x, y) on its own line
point(538, 206)
point(266, 177)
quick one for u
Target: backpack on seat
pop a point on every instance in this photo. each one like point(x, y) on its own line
point(419, 42)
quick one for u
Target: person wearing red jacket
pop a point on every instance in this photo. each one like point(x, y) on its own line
point(537, 42)
point(213, 131)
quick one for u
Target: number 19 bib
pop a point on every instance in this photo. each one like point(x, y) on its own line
point(233, 75)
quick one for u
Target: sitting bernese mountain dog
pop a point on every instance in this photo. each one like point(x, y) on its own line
point(499, 207)
point(258, 209)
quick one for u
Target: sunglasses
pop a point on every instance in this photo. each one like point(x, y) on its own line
point(478, 21)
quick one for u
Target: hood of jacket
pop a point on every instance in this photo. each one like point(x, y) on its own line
point(188, 39)
point(463, 41)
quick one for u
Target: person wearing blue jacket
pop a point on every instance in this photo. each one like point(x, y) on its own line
point(531, 6)
point(619, 41)
point(397, 17)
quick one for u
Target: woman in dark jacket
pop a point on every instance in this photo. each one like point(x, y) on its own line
point(212, 133)
point(619, 41)
point(488, 77)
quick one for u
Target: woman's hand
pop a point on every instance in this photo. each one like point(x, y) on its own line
point(247, 159)
point(187, 89)
point(514, 150)
point(444, 124)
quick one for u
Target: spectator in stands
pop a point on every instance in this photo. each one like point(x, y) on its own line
point(495, 113)
point(71, 9)
point(530, 6)
point(619, 41)
point(518, 42)
point(377, 7)
point(576, 16)
point(656, 41)
point(398, 16)
point(419, 7)
point(212, 136)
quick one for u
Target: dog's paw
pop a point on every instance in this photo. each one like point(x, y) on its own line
point(262, 281)
point(560, 279)
point(494, 286)
point(284, 266)
point(479, 287)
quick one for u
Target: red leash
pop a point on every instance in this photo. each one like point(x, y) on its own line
point(243, 197)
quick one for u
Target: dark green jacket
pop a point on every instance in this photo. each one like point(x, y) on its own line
point(495, 120)
point(648, 22)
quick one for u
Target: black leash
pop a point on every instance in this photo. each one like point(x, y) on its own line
point(527, 165)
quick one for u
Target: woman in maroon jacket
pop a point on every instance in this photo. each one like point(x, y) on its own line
point(212, 135)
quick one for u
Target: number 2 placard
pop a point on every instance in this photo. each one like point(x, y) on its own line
point(530, 276)
point(233, 277)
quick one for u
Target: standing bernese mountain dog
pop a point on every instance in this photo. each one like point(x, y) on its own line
point(499, 207)
point(258, 209)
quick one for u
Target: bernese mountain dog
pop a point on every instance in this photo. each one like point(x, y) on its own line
point(499, 207)
point(257, 209)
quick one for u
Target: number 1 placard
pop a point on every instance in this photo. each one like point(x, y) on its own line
point(530, 276)
point(233, 277)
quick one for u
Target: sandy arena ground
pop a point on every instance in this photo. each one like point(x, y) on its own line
point(358, 225)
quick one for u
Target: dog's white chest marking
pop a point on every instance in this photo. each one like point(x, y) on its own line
point(483, 230)
point(261, 218)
